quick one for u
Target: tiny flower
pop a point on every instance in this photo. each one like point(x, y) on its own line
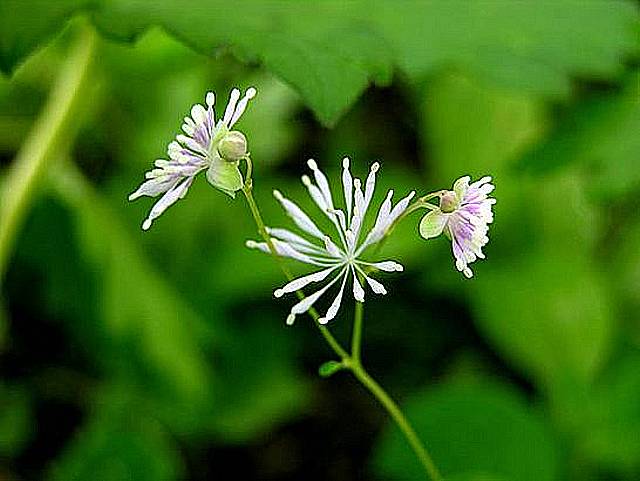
point(206, 145)
point(463, 215)
point(337, 257)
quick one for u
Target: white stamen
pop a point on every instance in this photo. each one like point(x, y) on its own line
point(231, 106)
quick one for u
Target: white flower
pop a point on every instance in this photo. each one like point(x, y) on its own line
point(338, 258)
point(196, 151)
point(463, 215)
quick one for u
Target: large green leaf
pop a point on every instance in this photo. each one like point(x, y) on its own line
point(319, 48)
point(330, 51)
point(474, 432)
point(513, 44)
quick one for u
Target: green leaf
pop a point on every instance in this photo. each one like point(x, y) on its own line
point(331, 51)
point(120, 441)
point(475, 130)
point(516, 45)
point(318, 48)
point(610, 437)
point(149, 323)
point(476, 477)
point(329, 368)
point(601, 135)
point(259, 385)
point(565, 329)
point(15, 420)
point(28, 25)
point(474, 432)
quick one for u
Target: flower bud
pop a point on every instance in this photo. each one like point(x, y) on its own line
point(233, 146)
point(448, 202)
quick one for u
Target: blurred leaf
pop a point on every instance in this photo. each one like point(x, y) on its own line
point(4, 324)
point(548, 313)
point(139, 310)
point(27, 25)
point(624, 276)
point(15, 420)
point(474, 432)
point(119, 442)
point(611, 437)
point(601, 135)
point(256, 385)
point(260, 385)
point(474, 130)
point(475, 477)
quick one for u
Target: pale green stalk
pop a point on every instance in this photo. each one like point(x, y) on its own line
point(351, 361)
point(32, 160)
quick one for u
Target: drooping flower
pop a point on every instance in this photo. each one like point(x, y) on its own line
point(338, 256)
point(207, 145)
point(464, 216)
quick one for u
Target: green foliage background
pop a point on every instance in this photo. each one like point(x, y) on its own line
point(131, 356)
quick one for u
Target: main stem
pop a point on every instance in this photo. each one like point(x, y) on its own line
point(398, 416)
point(350, 361)
point(31, 161)
point(356, 338)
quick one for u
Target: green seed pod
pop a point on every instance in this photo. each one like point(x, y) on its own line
point(233, 146)
point(448, 202)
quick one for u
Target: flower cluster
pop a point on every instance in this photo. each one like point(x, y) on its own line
point(463, 215)
point(207, 145)
point(338, 257)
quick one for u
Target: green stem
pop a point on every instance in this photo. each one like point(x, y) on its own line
point(420, 203)
point(350, 362)
point(31, 162)
point(356, 338)
point(400, 419)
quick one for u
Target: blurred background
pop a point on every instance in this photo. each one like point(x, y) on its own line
point(162, 355)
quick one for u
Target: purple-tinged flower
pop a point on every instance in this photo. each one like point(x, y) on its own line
point(463, 215)
point(207, 145)
point(338, 258)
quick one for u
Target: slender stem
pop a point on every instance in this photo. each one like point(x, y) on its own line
point(350, 362)
point(356, 339)
point(262, 230)
point(400, 419)
point(421, 203)
point(22, 180)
